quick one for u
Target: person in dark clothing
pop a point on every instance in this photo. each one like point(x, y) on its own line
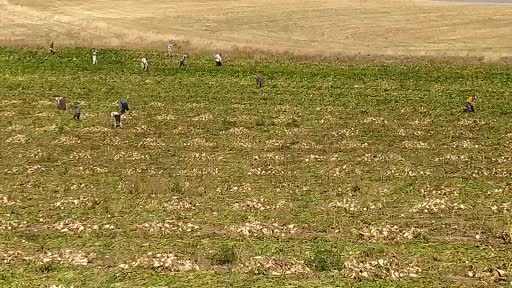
point(183, 61)
point(123, 104)
point(76, 116)
point(61, 103)
point(260, 81)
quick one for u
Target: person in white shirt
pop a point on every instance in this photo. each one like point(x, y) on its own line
point(95, 57)
point(116, 117)
point(169, 49)
point(218, 59)
point(144, 65)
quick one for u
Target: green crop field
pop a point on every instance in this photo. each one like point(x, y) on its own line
point(351, 175)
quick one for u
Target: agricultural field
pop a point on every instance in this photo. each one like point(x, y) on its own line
point(318, 27)
point(346, 175)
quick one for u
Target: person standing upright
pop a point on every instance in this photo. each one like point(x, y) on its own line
point(169, 49)
point(95, 57)
point(52, 48)
point(76, 116)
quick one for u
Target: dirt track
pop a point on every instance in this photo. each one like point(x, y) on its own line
point(310, 26)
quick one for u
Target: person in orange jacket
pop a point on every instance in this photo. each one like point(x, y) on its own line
point(470, 104)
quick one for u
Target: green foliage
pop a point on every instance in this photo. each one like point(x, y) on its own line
point(47, 267)
point(225, 255)
point(324, 151)
point(325, 257)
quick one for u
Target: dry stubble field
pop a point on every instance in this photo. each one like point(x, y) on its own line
point(306, 27)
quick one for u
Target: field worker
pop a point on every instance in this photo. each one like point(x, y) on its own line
point(116, 117)
point(260, 81)
point(470, 102)
point(123, 104)
point(61, 103)
point(95, 57)
point(52, 49)
point(144, 65)
point(183, 61)
point(218, 59)
point(169, 49)
point(76, 116)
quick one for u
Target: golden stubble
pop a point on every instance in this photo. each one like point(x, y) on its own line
point(326, 27)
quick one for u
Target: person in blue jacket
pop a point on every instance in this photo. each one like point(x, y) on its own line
point(123, 104)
